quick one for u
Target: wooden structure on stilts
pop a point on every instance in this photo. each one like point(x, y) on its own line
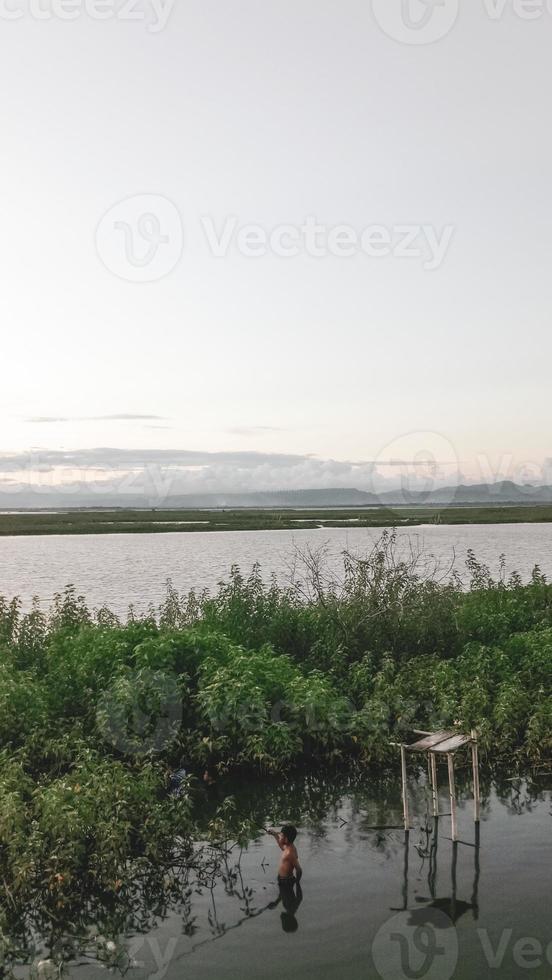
point(437, 745)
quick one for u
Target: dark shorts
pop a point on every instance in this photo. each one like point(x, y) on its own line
point(287, 880)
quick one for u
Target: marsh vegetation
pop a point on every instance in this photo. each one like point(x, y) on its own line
point(95, 713)
point(159, 521)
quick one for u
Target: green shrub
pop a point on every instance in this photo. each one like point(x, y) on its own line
point(94, 713)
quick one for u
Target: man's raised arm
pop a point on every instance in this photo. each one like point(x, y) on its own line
point(277, 837)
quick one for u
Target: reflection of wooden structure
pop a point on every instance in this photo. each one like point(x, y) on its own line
point(436, 745)
point(453, 907)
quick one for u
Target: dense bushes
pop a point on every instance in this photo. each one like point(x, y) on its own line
point(255, 655)
point(379, 604)
point(95, 713)
point(262, 675)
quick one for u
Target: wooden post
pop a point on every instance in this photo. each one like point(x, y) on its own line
point(453, 875)
point(405, 872)
point(404, 789)
point(477, 872)
point(434, 793)
point(475, 765)
point(452, 790)
point(432, 874)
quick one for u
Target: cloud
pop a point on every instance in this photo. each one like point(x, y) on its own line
point(123, 417)
point(131, 459)
point(253, 430)
point(157, 474)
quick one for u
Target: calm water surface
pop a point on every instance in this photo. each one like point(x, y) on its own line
point(370, 906)
point(116, 570)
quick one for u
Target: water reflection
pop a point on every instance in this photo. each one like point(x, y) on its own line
point(451, 905)
point(347, 837)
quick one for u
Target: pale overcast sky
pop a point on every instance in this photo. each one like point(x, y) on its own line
point(267, 113)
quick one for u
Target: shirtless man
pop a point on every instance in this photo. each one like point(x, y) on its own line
point(290, 870)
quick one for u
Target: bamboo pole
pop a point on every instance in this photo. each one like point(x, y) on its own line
point(452, 790)
point(432, 874)
point(453, 882)
point(434, 793)
point(405, 873)
point(404, 789)
point(477, 872)
point(475, 766)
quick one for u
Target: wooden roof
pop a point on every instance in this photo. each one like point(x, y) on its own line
point(441, 742)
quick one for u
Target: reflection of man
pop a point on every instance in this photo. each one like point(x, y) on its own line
point(291, 896)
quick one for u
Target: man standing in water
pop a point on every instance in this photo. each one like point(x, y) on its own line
point(290, 870)
point(289, 875)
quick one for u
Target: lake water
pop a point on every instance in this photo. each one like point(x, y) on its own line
point(370, 905)
point(116, 570)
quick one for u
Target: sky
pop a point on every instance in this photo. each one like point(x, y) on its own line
point(282, 244)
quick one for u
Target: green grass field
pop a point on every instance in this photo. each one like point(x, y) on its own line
point(159, 521)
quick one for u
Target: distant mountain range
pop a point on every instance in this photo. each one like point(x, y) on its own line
point(491, 495)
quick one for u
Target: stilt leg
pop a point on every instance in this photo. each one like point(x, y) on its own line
point(477, 872)
point(453, 875)
point(405, 872)
point(404, 790)
point(434, 793)
point(452, 790)
point(432, 875)
point(475, 765)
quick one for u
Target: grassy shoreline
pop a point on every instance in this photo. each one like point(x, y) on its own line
point(190, 521)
